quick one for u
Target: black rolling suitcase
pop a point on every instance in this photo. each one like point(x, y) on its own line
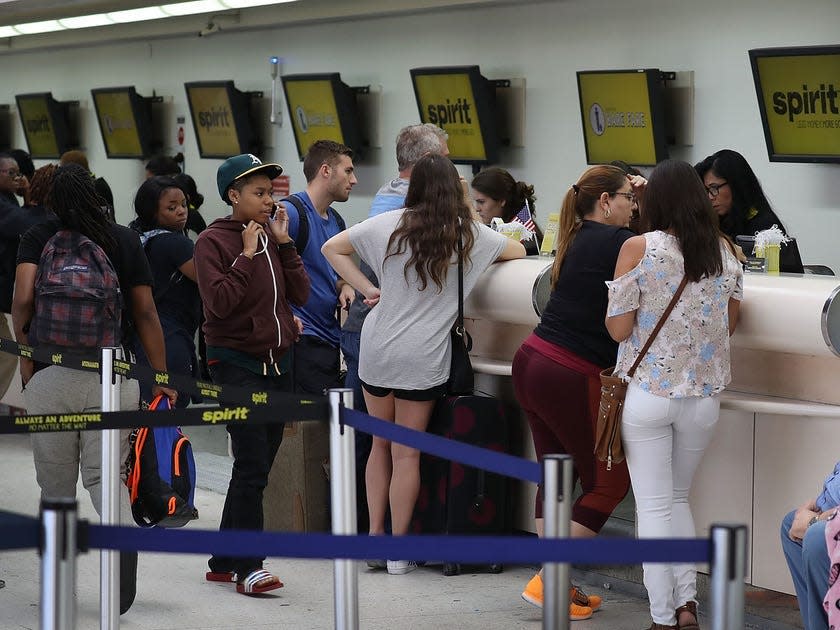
point(458, 499)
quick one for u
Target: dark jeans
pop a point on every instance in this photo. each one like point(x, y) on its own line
point(315, 366)
point(254, 448)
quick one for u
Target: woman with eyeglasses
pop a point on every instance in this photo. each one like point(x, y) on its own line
point(740, 203)
point(562, 359)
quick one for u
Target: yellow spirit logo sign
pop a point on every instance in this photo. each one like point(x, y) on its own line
point(448, 101)
point(213, 120)
point(800, 100)
point(616, 112)
point(38, 125)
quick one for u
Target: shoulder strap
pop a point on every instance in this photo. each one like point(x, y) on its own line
point(303, 223)
point(338, 219)
point(146, 238)
point(659, 325)
point(459, 322)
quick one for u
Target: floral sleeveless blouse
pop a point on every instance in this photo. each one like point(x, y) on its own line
point(690, 355)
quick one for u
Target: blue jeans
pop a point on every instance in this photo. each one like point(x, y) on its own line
point(808, 563)
point(351, 341)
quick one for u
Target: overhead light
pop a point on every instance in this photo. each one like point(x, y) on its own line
point(31, 28)
point(245, 4)
point(191, 8)
point(137, 15)
point(175, 9)
point(87, 21)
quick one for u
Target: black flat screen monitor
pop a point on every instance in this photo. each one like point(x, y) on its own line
point(125, 120)
point(799, 101)
point(463, 103)
point(47, 125)
point(322, 107)
point(222, 120)
point(623, 116)
point(5, 127)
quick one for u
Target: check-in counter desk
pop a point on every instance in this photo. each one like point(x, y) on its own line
point(779, 430)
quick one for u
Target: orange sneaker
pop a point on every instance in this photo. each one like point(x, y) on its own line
point(533, 594)
point(580, 598)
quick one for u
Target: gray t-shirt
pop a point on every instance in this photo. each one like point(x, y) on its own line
point(405, 338)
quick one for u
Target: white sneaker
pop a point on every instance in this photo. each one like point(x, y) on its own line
point(401, 567)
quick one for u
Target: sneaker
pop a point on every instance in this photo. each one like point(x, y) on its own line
point(580, 598)
point(400, 567)
point(377, 564)
point(533, 594)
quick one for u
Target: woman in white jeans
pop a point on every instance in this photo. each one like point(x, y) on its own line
point(672, 404)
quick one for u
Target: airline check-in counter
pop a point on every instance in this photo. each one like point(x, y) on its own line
point(779, 431)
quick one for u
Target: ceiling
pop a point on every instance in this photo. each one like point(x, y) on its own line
point(298, 12)
point(20, 11)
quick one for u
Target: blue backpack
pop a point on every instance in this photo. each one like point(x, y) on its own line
point(161, 479)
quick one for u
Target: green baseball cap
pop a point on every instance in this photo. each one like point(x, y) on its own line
point(240, 166)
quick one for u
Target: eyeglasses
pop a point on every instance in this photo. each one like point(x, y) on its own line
point(10, 172)
point(631, 197)
point(713, 190)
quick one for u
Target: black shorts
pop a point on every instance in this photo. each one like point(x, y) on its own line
point(439, 391)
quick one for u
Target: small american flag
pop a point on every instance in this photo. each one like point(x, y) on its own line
point(524, 217)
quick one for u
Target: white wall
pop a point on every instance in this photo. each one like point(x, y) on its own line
point(545, 42)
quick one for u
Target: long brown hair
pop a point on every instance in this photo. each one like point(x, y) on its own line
point(676, 201)
point(436, 217)
point(578, 202)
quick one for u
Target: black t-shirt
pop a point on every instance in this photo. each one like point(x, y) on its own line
point(574, 315)
point(176, 296)
point(13, 224)
point(129, 260)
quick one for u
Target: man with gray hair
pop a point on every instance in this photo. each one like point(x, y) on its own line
point(413, 142)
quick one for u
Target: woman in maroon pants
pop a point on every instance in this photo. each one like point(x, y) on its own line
point(555, 371)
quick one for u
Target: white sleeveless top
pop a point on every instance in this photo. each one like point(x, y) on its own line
point(690, 355)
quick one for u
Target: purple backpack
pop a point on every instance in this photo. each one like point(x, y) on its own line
point(78, 302)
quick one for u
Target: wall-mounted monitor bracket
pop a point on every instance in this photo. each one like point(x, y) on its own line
point(679, 107)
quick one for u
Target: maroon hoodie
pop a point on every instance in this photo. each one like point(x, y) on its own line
point(246, 301)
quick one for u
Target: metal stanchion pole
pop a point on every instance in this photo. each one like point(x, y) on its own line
point(729, 569)
point(109, 585)
point(343, 495)
point(557, 490)
point(58, 564)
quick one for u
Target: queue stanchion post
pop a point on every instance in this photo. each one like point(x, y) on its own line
point(58, 564)
point(109, 591)
point(343, 501)
point(729, 570)
point(557, 491)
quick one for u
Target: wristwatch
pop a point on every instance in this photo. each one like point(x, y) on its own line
point(813, 520)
